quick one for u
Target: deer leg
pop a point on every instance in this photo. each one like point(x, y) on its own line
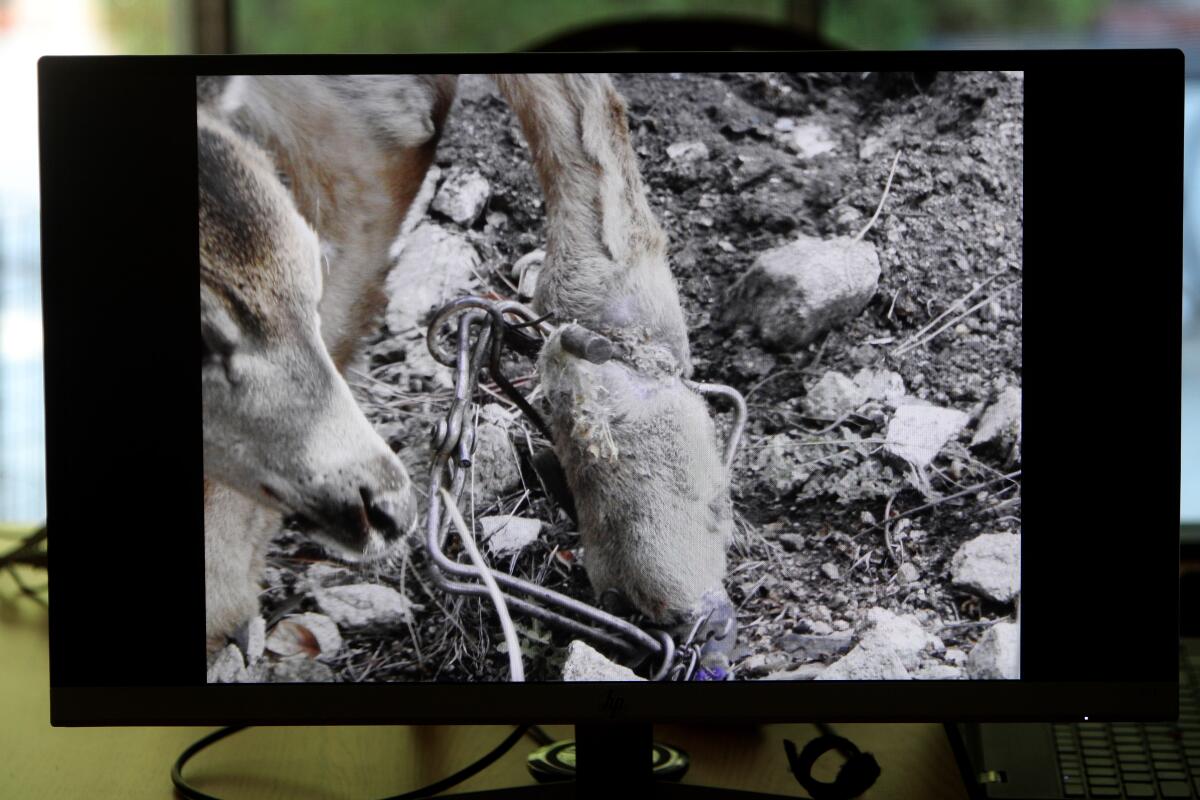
point(606, 255)
point(638, 447)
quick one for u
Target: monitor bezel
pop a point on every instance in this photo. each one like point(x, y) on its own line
point(78, 700)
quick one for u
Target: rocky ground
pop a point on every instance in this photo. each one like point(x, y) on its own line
point(877, 488)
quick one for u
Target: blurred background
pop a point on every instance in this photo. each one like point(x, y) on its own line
point(31, 28)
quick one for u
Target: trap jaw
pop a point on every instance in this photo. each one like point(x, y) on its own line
point(483, 328)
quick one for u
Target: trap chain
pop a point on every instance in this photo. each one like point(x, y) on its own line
point(483, 330)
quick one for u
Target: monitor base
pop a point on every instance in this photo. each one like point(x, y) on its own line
point(611, 758)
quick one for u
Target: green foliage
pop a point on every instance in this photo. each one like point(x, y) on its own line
point(897, 24)
point(419, 26)
point(142, 27)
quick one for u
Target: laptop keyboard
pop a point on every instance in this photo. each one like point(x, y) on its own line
point(1100, 759)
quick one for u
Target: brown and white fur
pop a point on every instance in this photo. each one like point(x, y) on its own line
point(310, 180)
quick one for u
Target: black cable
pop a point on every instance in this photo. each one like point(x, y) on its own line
point(191, 793)
point(858, 774)
point(540, 736)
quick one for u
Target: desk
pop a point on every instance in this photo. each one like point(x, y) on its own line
point(38, 761)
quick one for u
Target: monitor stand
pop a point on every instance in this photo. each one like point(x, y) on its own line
point(615, 761)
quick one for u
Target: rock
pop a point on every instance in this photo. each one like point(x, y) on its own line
point(785, 124)
point(989, 564)
point(820, 627)
point(251, 638)
point(527, 270)
point(585, 663)
point(916, 433)
point(228, 666)
point(833, 396)
point(792, 541)
point(954, 657)
point(809, 140)
point(998, 654)
point(687, 152)
point(1000, 425)
point(808, 647)
point(493, 460)
point(804, 672)
point(901, 634)
point(309, 635)
point(364, 604)
point(794, 293)
point(871, 661)
point(434, 266)
point(870, 147)
point(776, 465)
point(908, 573)
point(508, 535)
point(880, 384)
point(938, 672)
point(830, 570)
point(297, 670)
point(760, 663)
point(463, 195)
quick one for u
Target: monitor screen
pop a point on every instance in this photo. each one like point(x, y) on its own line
point(704, 382)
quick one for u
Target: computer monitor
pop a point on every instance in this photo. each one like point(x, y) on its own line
point(861, 244)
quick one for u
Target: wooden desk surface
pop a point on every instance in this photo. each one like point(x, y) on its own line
point(38, 761)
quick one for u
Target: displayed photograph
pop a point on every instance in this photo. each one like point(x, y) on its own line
point(586, 377)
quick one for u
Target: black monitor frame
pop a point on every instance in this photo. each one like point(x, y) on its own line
point(1103, 213)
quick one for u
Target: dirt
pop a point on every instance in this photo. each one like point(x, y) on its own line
point(813, 549)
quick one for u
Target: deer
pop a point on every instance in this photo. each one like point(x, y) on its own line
point(304, 181)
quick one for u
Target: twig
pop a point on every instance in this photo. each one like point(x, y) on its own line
point(516, 667)
point(949, 497)
point(950, 309)
point(911, 344)
point(882, 200)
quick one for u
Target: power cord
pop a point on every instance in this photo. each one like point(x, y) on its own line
point(192, 793)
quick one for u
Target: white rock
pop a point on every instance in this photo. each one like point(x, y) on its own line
point(804, 672)
point(989, 564)
point(463, 195)
point(938, 672)
point(880, 384)
point(785, 124)
point(361, 604)
point(228, 666)
point(871, 661)
point(809, 140)
point(507, 535)
point(869, 147)
point(434, 266)
point(908, 573)
point(527, 270)
point(954, 657)
point(585, 663)
point(832, 396)
point(917, 433)
point(997, 655)
point(902, 634)
point(252, 637)
point(309, 635)
point(687, 151)
point(1001, 422)
point(794, 293)
point(820, 628)
point(830, 570)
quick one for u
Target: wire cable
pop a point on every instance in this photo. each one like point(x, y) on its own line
point(472, 769)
